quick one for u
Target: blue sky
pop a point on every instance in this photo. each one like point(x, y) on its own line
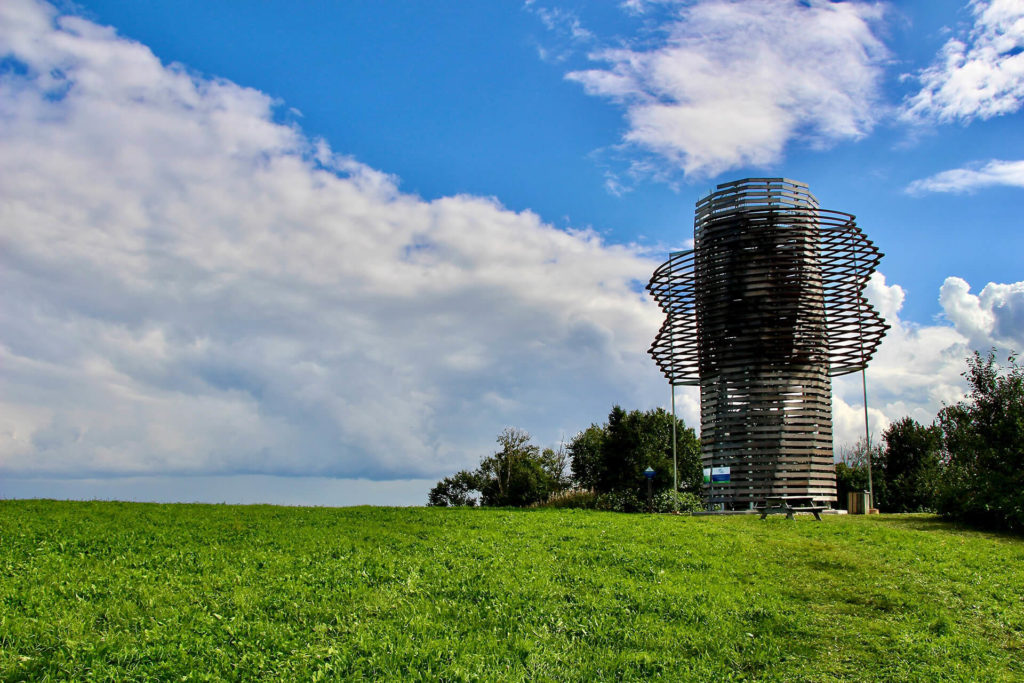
point(324, 252)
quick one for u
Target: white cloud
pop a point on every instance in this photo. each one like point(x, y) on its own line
point(562, 21)
point(731, 84)
point(915, 370)
point(566, 32)
point(990, 174)
point(918, 368)
point(192, 287)
point(980, 75)
point(995, 317)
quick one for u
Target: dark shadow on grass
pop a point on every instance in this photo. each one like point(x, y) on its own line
point(927, 522)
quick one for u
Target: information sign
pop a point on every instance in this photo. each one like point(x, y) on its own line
point(720, 474)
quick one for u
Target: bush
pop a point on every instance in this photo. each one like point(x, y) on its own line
point(572, 498)
point(619, 501)
point(663, 501)
point(681, 501)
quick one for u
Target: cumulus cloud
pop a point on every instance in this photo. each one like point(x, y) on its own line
point(193, 287)
point(918, 368)
point(730, 84)
point(971, 178)
point(979, 75)
point(994, 317)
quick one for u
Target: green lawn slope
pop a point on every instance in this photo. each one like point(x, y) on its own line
point(190, 592)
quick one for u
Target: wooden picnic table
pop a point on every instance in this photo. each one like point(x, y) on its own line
point(790, 505)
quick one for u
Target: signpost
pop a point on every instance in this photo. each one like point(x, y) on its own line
point(714, 475)
point(649, 473)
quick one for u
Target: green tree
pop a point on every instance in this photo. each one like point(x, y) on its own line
point(516, 475)
point(983, 478)
point(556, 464)
point(910, 466)
point(585, 456)
point(612, 458)
point(457, 490)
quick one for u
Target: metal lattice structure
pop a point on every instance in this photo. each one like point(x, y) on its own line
point(767, 307)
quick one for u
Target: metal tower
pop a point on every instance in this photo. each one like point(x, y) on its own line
point(767, 307)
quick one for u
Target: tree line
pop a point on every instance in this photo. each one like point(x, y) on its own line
point(601, 467)
point(968, 465)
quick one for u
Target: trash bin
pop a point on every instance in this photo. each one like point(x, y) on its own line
point(858, 502)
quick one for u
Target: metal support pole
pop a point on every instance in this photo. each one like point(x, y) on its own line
point(675, 462)
point(672, 384)
point(864, 386)
point(867, 436)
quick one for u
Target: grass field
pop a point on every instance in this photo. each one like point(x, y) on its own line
point(135, 591)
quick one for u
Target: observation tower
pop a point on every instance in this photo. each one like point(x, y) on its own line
point(765, 309)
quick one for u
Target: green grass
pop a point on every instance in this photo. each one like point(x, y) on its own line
point(132, 591)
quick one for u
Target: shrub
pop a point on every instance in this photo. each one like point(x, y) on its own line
point(572, 498)
point(663, 501)
point(681, 501)
point(619, 501)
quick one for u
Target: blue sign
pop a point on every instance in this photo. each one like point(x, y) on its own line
point(649, 473)
point(720, 474)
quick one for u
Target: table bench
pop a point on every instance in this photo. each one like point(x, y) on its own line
point(790, 505)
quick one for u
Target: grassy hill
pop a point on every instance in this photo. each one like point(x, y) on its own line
point(120, 591)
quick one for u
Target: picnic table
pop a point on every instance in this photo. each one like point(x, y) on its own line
point(790, 505)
